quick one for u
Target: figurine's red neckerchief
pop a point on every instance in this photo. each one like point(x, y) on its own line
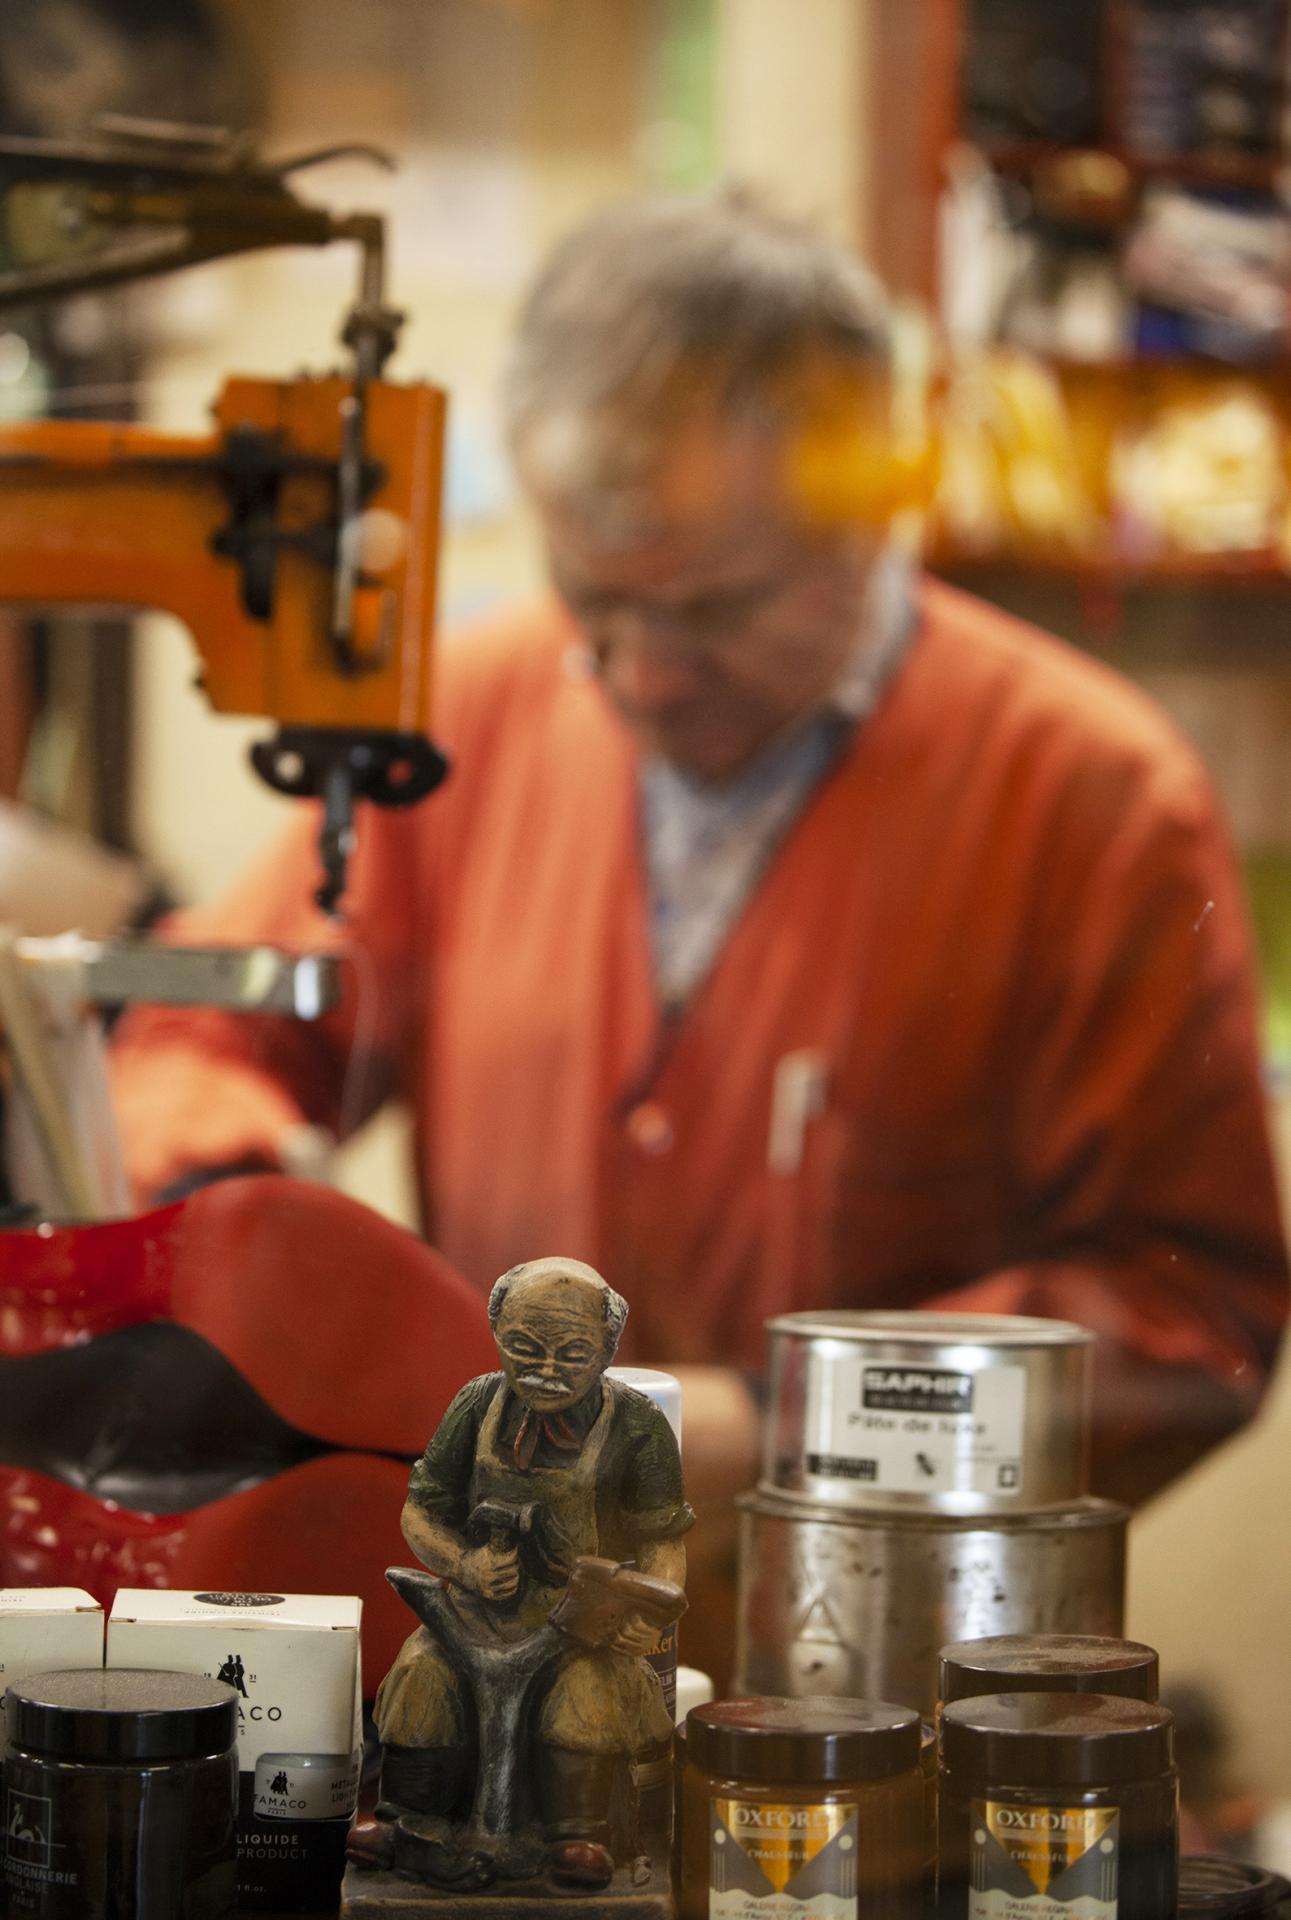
point(536, 1426)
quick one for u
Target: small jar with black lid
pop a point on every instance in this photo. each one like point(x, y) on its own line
point(1212, 1888)
point(1049, 1663)
point(120, 1796)
point(1048, 1799)
point(801, 1808)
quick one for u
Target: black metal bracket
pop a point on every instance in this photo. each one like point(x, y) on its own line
point(340, 765)
point(252, 467)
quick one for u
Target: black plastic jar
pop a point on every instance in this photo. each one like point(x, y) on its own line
point(120, 1796)
point(1050, 1798)
point(1211, 1888)
point(1049, 1663)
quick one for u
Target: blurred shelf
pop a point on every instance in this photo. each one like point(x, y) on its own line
point(1147, 625)
point(1131, 366)
point(1260, 172)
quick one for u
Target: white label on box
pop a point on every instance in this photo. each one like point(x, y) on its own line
point(340, 1610)
point(917, 1429)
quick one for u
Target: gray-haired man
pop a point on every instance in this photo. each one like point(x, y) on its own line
point(790, 933)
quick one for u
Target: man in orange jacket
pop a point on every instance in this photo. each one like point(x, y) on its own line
point(788, 935)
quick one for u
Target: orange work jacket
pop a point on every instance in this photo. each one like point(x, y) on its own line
point(983, 1038)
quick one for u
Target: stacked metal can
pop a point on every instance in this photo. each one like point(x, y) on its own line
point(924, 1479)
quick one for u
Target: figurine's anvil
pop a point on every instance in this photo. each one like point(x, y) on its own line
point(430, 1864)
point(501, 1677)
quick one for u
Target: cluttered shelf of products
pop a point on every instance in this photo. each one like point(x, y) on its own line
point(1099, 178)
point(1131, 471)
point(1118, 458)
point(1113, 260)
point(1159, 78)
point(1024, 158)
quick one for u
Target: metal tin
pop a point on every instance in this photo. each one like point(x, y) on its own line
point(951, 1413)
point(861, 1604)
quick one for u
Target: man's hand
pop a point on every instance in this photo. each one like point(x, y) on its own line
point(492, 1572)
point(720, 1436)
point(636, 1634)
point(720, 1456)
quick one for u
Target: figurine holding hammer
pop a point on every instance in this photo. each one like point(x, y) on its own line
point(539, 1482)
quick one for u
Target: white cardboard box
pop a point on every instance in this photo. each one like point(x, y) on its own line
point(294, 1662)
point(43, 1628)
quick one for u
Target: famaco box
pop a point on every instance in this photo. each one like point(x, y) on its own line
point(293, 1660)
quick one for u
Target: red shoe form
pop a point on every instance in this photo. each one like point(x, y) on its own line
point(352, 1332)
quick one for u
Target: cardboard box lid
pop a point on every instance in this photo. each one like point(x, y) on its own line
point(29, 1600)
point(154, 1605)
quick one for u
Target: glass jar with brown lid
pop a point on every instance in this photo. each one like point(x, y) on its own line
point(1057, 1802)
point(1049, 1663)
point(801, 1809)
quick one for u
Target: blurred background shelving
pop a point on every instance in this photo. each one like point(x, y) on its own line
point(1091, 199)
point(1188, 92)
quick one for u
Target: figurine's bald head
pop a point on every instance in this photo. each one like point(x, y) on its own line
point(557, 1324)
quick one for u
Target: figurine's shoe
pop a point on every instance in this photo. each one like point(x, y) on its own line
point(426, 1849)
point(370, 1843)
point(581, 1863)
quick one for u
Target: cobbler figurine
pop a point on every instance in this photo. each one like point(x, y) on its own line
point(519, 1721)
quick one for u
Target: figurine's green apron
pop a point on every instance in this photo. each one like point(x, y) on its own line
point(602, 1702)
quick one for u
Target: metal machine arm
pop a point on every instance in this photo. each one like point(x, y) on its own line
point(298, 542)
